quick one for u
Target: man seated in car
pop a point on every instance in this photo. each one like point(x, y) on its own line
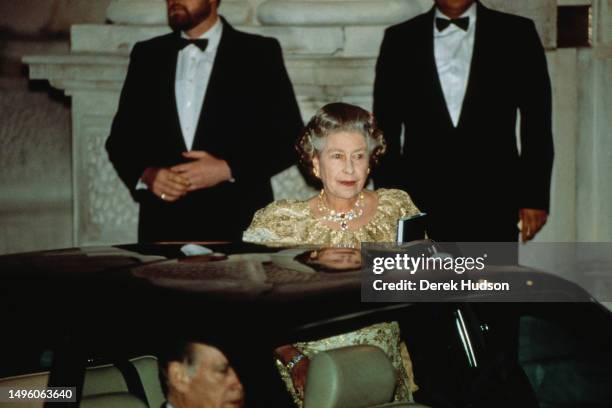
point(195, 374)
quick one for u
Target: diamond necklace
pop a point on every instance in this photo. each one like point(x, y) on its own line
point(341, 218)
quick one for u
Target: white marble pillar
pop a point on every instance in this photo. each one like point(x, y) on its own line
point(594, 154)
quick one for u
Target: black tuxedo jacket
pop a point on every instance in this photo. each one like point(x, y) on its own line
point(249, 117)
point(471, 179)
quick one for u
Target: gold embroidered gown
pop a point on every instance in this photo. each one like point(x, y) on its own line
point(384, 335)
point(290, 222)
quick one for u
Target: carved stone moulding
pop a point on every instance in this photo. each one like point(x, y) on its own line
point(98, 38)
point(316, 79)
point(153, 12)
point(348, 41)
point(337, 13)
point(75, 72)
point(105, 211)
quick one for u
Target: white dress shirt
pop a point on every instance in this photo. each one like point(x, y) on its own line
point(193, 68)
point(453, 52)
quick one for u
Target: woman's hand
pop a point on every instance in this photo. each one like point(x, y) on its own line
point(298, 376)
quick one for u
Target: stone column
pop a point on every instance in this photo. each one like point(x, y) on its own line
point(594, 154)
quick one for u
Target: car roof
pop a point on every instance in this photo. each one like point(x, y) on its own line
point(120, 277)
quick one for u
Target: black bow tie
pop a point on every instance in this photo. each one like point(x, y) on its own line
point(200, 43)
point(443, 23)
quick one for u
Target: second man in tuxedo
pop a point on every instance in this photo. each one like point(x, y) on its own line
point(207, 115)
point(452, 81)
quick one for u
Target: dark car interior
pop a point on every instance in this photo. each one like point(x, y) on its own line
point(99, 330)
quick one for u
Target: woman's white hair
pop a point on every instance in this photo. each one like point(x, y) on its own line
point(338, 117)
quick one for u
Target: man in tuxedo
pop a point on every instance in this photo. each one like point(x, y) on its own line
point(451, 81)
point(198, 375)
point(207, 115)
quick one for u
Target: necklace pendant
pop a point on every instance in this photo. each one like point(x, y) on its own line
point(342, 218)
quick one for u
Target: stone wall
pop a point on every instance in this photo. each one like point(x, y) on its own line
point(35, 123)
point(594, 147)
point(35, 210)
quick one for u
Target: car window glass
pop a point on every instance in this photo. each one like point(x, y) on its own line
point(565, 366)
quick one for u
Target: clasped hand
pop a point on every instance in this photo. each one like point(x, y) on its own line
point(172, 183)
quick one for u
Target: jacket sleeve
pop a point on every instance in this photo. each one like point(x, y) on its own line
point(535, 106)
point(125, 143)
point(278, 121)
point(387, 115)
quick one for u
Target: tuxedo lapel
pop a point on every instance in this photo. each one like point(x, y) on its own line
point(431, 70)
point(214, 91)
point(170, 68)
point(476, 72)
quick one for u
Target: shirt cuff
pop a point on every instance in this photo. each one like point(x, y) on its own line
point(141, 185)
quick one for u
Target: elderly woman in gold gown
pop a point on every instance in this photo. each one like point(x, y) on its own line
point(338, 147)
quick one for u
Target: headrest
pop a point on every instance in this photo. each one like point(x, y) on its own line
point(148, 371)
point(354, 376)
point(113, 400)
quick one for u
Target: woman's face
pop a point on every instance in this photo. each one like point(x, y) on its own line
point(343, 164)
